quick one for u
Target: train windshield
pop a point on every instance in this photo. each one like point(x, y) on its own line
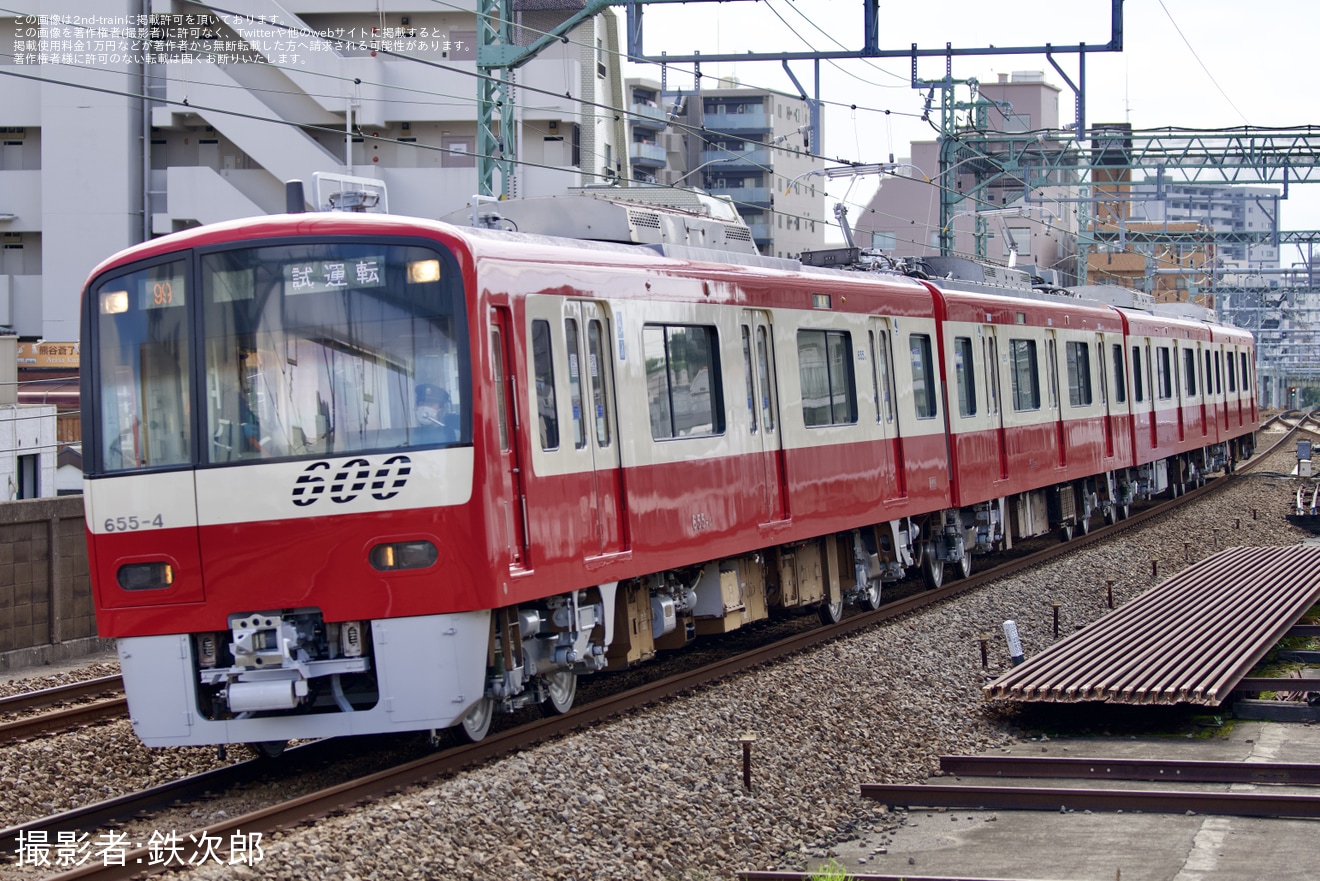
point(303, 350)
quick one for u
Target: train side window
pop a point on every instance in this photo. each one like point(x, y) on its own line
point(992, 373)
point(1246, 377)
point(1052, 368)
point(829, 395)
point(1120, 381)
point(1164, 372)
point(747, 373)
point(497, 377)
point(575, 383)
point(1026, 374)
point(1207, 386)
point(1079, 373)
point(923, 376)
point(1219, 373)
point(764, 358)
point(1138, 385)
point(544, 366)
point(683, 381)
point(1232, 373)
point(598, 353)
point(884, 375)
point(1189, 371)
point(964, 368)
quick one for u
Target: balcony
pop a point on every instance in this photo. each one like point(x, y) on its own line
point(646, 154)
point(744, 196)
point(648, 116)
point(757, 121)
point(758, 158)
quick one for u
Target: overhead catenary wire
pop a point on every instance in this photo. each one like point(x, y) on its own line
point(596, 105)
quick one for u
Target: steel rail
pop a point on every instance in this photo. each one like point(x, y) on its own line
point(58, 694)
point(853, 876)
point(1230, 804)
point(124, 807)
point(337, 798)
point(61, 720)
point(1082, 768)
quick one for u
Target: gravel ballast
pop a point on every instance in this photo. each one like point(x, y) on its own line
point(659, 795)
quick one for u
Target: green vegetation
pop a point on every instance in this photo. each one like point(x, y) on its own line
point(830, 871)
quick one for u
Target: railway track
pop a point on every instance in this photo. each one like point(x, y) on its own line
point(339, 798)
point(97, 690)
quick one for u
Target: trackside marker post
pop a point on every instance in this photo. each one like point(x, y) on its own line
point(1014, 643)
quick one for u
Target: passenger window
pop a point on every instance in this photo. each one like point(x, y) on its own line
point(683, 381)
point(1246, 377)
point(884, 374)
point(1164, 372)
point(1079, 374)
point(1219, 373)
point(1052, 368)
point(1138, 384)
point(575, 383)
point(963, 366)
point(923, 376)
point(1120, 379)
point(1189, 369)
point(1026, 375)
point(825, 368)
point(1232, 373)
point(598, 352)
point(764, 358)
point(992, 373)
point(544, 367)
point(497, 366)
point(747, 372)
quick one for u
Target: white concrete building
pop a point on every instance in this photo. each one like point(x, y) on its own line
point(238, 106)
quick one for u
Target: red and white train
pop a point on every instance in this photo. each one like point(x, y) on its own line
point(353, 473)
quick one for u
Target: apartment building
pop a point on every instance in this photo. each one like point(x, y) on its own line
point(748, 144)
point(239, 101)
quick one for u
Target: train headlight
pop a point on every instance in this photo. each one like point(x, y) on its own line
point(146, 576)
point(404, 555)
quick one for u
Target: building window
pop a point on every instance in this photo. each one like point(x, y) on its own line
point(28, 470)
point(884, 241)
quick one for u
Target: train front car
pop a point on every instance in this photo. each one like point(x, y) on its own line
point(278, 420)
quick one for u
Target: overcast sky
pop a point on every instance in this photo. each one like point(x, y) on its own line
point(1189, 63)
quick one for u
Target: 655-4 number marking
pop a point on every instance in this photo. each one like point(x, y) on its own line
point(128, 524)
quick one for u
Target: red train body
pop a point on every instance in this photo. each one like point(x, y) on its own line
point(350, 474)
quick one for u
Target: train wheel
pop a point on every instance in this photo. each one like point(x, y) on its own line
point(1084, 525)
point(1111, 514)
point(1124, 512)
point(965, 565)
point(561, 690)
point(1066, 532)
point(476, 723)
point(830, 613)
point(269, 749)
point(869, 601)
point(932, 570)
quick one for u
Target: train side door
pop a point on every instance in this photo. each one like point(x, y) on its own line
point(591, 380)
point(512, 500)
point(1179, 399)
point(994, 398)
point(758, 347)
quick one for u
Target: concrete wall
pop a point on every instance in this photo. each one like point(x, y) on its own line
point(45, 590)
